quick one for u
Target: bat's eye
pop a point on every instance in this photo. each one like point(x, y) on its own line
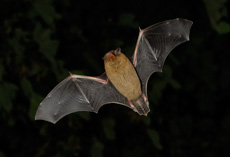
point(117, 51)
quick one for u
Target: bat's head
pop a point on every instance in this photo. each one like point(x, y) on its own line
point(111, 55)
point(115, 59)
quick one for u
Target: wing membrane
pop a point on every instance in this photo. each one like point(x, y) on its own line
point(155, 43)
point(78, 93)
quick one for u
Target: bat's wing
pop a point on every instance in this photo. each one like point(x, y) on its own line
point(155, 43)
point(78, 93)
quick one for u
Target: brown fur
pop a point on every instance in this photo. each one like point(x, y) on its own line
point(123, 76)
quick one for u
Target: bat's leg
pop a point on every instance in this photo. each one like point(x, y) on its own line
point(140, 105)
point(132, 106)
point(145, 99)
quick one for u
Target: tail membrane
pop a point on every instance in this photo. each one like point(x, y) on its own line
point(141, 105)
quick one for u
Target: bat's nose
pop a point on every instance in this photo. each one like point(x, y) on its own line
point(108, 56)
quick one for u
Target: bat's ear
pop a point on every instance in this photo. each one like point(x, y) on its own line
point(117, 51)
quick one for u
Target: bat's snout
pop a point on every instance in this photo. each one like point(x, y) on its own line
point(108, 56)
point(112, 54)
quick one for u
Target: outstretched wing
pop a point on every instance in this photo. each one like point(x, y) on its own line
point(155, 43)
point(78, 93)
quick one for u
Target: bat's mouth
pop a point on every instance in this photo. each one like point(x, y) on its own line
point(108, 56)
point(112, 54)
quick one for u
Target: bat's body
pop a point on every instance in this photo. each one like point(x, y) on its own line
point(123, 76)
point(124, 81)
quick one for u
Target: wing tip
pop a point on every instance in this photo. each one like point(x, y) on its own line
point(45, 117)
point(182, 19)
point(48, 120)
point(187, 24)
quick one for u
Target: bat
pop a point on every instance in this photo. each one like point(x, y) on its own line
point(124, 80)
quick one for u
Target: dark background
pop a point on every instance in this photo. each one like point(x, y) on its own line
point(41, 40)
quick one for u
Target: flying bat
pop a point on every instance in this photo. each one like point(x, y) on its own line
point(124, 81)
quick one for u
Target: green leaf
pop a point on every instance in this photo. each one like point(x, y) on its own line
point(109, 125)
point(7, 94)
point(175, 84)
point(35, 100)
point(2, 154)
point(127, 19)
point(157, 89)
point(217, 11)
point(96, 148)
point(47, 46)
point(84, 115)
point(46, 10)
point(155, 138)
point(17, 46)
point(15, 42)
point(2, 71)
point(147, 120)
point(26, 87)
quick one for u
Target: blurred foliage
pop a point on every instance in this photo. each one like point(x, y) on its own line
point(42, 40)
point(218, 15)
